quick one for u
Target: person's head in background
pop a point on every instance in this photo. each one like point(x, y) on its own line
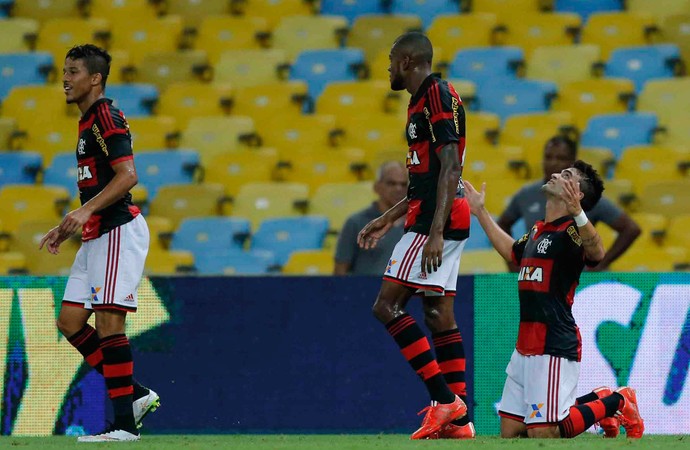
point(391, 184)
point(560, 152)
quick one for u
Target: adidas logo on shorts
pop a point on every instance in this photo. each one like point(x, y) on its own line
point(129, 298)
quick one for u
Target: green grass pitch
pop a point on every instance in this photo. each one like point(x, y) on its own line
point(345, 442)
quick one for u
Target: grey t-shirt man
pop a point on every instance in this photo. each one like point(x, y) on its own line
point(366, 262)
point(529, 203)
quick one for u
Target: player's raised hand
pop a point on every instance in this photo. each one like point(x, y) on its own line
point(372, 232)
point(571, 195)
point(474, 198)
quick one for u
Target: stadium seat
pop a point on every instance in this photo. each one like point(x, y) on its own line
point(650, 258)
point(482, 261)
point(135, 99)
point(297, 134)
point(602, 159)
point(529, 31)
point(263, 101)
point(153, 132)
point(143, 36)
point(161, 232)
point(584, 99)
point(195, 12)
point(320, 67)
point(31, 104)
point(478, 239)
point(159, 168)
point(563, 64)
point(506, 7)
point(652, 225)
point(661, 9)
point(181, 201)
point(482, 128)
point(243, 68)
point(165, 262)
point(273, 11)
point(377, 32)
point(296, 34)
point(17, 34)
point(496, 163)
point(218, 33)
point(586, 7)
point(641, 64)
point(165, 68)
point(8, 127)
point(486, 65)
point(208, 234)
point(499, 192)
point(668, 99)
point(28, 236)
point(12, 263)
point(58, 35)
point(351, 9)
point(319, 168)
point(120, 67)
point(426, 10)
point(517, 97)
point(19, 167)
point(350, 97)
point(453, 32)
point(618, 190)
point(373, 132)
point(233, 170)
point(23, 202)
point(618, 131)
point(55, 137)
point(670, 198)
point(235, 262)
point(213, 135)
point(19, 69)
point(122, 12)
point(644, 164)
point(677, 232)
point(309, 262)
point(337, 201)
point(618, 29)
point(676, 29)
point(186, 100)
point(676, 131)
point(260, 201)
point(45, 10)
point(282, 236)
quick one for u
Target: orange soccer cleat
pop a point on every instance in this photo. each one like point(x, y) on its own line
point(452, 431)
point(610, 425)
point(630, 415)
point(438, 415)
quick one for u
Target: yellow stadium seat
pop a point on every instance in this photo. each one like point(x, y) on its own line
point(143, 36)
point(667, 98)
point(217, 34)
point(373, 132)
point(167, 262)
point(676, 29)
point(187, 100)
point(259, 201)
point(179, 201)
point(242, 68)
point(160, 230)
point(196, 11)
point(163, 69)
point(530, 31)
point(265, 101)
point(8, 126)
point(238, 168)
point(309, 262)
point(17, 35)
point(601, 158)
point(482, 128)
point(466, 89)
point(12, 263)
point(59, 35)
point(44, 10)
point(563, 64)
point(646, 164)
point(584, 99)
point(498, 191)
point(31, 104)
point(338, 201)
point(300, 133)
point(295, 34)
point(647, 257)
point(495, 163)
point(120, 67)
point(531, 131)
point(30, 202)
point(619, 191)
point(653, 225)
point(677, 232)
point(214, 135)
point(374, 33)
point(342, 98)
point(39, 262)
point(453, 32)
point(505, 8)
point(153, 132)
point(319, 168)
point(670, 198)
point(274, 10)
point(56, 136)
point(482, 261)
point(608, 235)
point(375, 157)
point(677, 132)
point(661, 9)
point(612, 30)
point(122, 12)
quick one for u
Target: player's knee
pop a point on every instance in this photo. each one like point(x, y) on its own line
point(437, 320)
point(544, 433)
point(382, 310)
point(66, 327)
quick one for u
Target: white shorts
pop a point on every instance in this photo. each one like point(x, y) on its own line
point(539, 390)
point(405, 266)
point(107, 270)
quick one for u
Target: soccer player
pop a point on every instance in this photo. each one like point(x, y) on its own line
point(539, 393)
point(425, 261)
point(115, 238)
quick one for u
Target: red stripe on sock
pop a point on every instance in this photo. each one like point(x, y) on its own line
point(118, 370)
point(574, 424)
point(94, 358)
point(120, 392)
point(598, 408)
point(439, 342)
point(458, 388)
point(398, 327)
point(418, 347)
point(453, 365)
point(429, 370)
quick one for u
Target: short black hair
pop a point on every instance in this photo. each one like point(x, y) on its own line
point(416, 45)
point(591, 185)
point(570, 144)
point(96, 59)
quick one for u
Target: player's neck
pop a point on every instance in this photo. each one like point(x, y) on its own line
point(90, 99)
point(555, 209)
point(416, 79)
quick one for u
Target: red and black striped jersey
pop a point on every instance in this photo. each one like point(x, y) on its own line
point(104, 141)
point(551, 259)
point(435, 117)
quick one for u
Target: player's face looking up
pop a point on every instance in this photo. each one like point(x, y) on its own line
point(557, 157)
point(555, 184)
point(76, 80)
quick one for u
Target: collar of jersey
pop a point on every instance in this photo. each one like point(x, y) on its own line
point(425, 86)
point(556, 225)
point(93, 107)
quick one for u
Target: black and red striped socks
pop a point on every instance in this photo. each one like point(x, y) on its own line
point(117, 370)
point(583, 416)
point(415, 348)
point(450, 354)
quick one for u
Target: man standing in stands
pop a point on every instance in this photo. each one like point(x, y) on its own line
point(115, 238)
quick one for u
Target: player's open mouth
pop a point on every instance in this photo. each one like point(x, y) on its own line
point(67, 88)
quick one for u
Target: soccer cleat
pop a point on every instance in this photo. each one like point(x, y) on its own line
point(438, 415)
point(630, 414)
point(610, 425)
point(110, 436)
point(144, 405)
point(452, 431)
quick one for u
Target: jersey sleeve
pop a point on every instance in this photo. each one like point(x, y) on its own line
point(447, 116)
point(115, 134)
point(519, 248)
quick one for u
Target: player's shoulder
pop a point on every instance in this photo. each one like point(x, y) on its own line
point(111, 117)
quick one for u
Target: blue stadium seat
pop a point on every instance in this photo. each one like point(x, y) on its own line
point(283, 236)
point(234, 262)
point(426, 10)
point(350, 9)
point(586, 7)
point(478, 238)
point(486, 65)
point(5, 6)
point(201, 235)
point(136, 99)
point(63, 172)
point(618, 131)
point(510, 97)
point(19, 167)
point(319, 67)
point(18, 69)
point(640, 64)
point(158, 168)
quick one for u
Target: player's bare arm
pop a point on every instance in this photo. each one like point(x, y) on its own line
point(591, 241)
point(377, 228)
point(124, 180)
point(502, 241)
point(448, 178)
